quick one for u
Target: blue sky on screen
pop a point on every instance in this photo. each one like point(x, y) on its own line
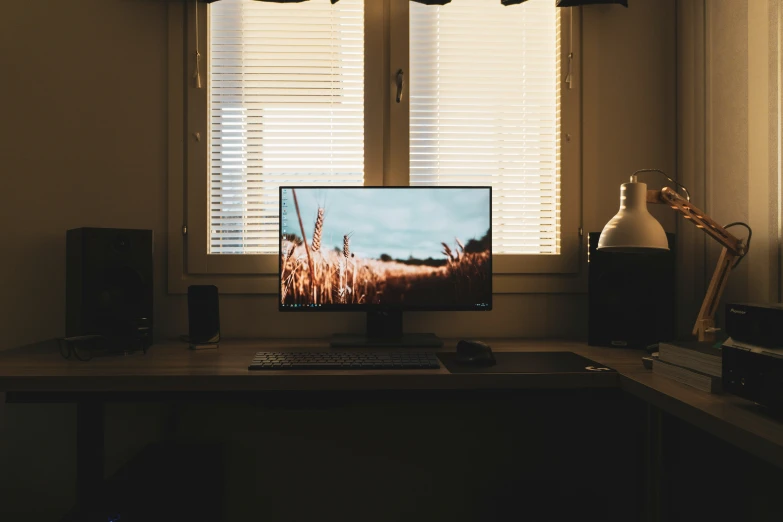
point(400, 222)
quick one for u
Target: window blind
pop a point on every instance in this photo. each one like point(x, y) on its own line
point(485, 111)
point(286, 108)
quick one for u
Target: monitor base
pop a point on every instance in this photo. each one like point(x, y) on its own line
point(411, 340)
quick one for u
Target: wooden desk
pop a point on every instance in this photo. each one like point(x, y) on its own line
point(170, 368)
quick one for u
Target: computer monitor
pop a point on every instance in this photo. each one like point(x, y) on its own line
point(384, 251)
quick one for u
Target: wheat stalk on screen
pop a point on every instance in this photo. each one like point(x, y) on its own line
point(313, 274)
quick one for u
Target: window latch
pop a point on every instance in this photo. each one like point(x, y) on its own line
point(400, 80)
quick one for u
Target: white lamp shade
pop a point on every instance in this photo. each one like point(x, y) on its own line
point(633, 229)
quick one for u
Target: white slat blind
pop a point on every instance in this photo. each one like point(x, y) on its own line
point(286, 108)
point(485, 110)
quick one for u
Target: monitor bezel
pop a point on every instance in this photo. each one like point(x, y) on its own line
point(381, 307)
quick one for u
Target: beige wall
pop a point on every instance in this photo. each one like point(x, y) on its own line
point(765, 65)
point(85, 144)
point(727, 117)
point(83, 134)
point(729, 139)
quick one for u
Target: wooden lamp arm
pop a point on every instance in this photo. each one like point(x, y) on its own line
point(667, 196)
point(732, 249)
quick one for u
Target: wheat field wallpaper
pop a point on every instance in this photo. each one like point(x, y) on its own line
point(412, 247)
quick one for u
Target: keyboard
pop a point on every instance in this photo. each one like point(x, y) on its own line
point(344, 361)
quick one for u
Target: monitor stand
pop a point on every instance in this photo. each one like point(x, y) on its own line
point(384, 330)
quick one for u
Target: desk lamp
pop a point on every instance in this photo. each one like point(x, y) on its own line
point(634, 229)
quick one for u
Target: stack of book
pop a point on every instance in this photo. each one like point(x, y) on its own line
point(693, 363)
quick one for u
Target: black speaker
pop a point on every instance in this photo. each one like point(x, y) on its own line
point(631, 297)
point(203, 314)
point(108, 283)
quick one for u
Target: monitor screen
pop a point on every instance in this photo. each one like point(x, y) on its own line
point(375, 248)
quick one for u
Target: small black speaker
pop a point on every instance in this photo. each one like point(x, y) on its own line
point(631, 297)
point(203, 314)
point(108, 283)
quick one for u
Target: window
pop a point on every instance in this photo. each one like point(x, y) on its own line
point(305, 93)
point(484, 103)
point(286, 107)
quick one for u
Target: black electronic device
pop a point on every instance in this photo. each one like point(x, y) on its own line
point(368, 360)
point(203, 315)
point(754, 373)
point(385, 251)
point(474, 353)
point(109, 284)
point(760, 324)
point(631, 297)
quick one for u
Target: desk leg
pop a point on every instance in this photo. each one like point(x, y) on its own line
point(89, 454)
point(654, 465)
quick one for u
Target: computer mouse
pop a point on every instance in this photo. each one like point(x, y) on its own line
point(474, 353)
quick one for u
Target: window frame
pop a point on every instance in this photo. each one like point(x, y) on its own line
point(386, 129)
